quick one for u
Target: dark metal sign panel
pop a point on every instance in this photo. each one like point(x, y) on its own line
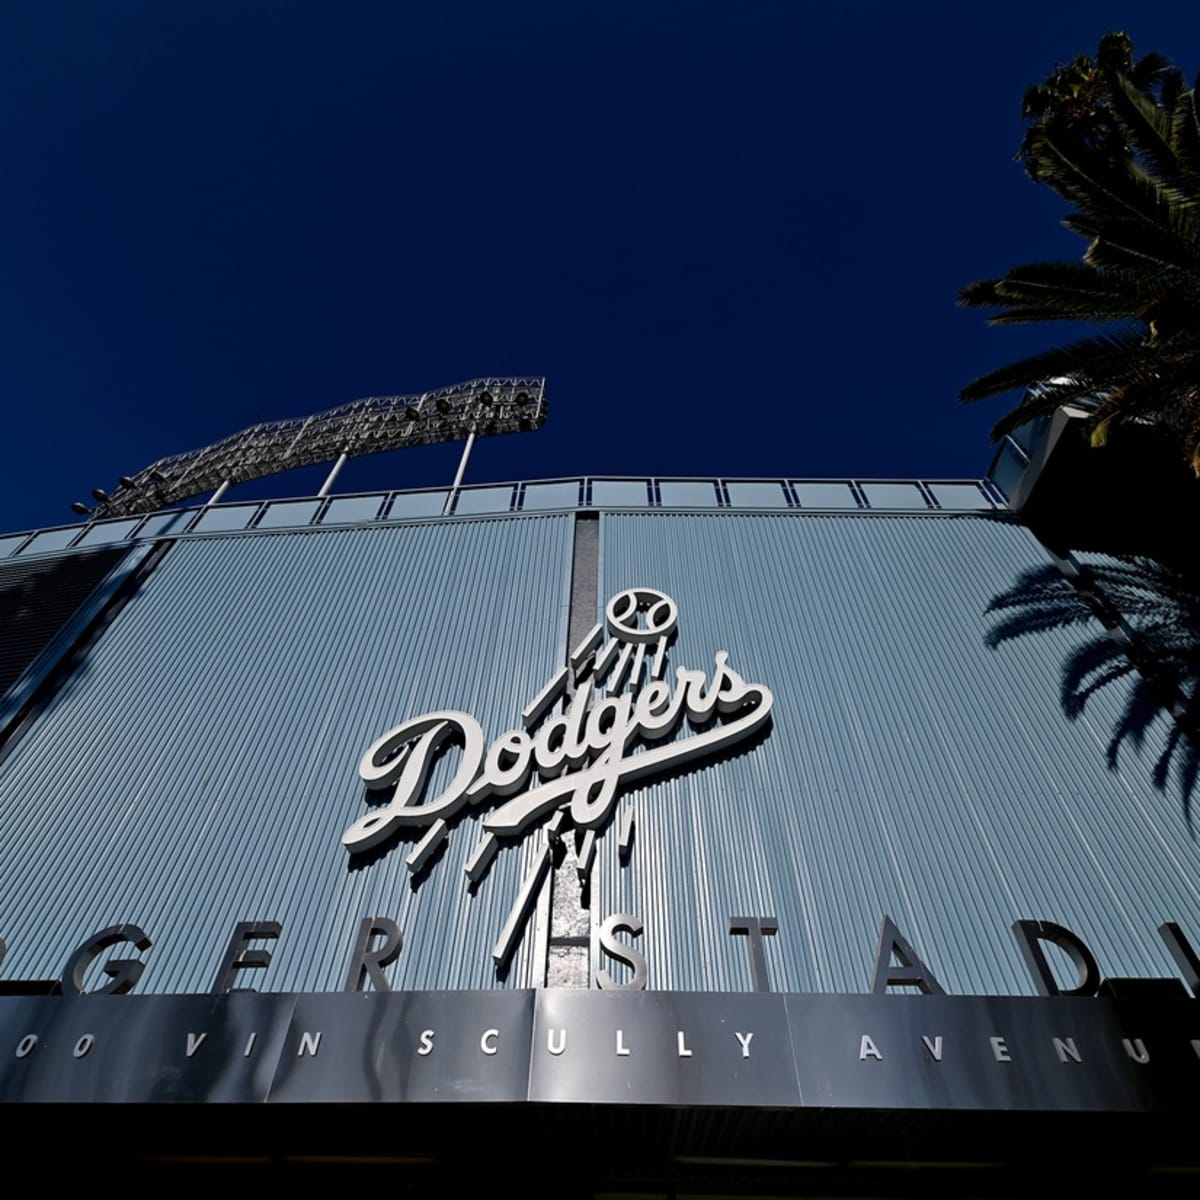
point(1002, 1053)
point(410, 1046)
point(140, 1049)
point(870, 1052)
point(717, 1048)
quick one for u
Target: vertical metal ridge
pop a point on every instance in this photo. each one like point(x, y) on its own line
point(201, 766)
point(911, 769)
point(568, 965)
point(585, 557)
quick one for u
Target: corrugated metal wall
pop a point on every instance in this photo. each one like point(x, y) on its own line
point(911, 769)
point(200, 766)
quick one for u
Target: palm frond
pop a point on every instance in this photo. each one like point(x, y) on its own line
point(1185, 133)
point(1062, 291)
point(1145, 125)
point(1085, 362)
point(1117, 194)
point(1119, 139)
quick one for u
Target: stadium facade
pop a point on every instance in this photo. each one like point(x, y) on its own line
point(694, 835)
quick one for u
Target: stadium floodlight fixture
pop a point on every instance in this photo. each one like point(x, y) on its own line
point(101, 495)
point(77, 506)
point(371, 425)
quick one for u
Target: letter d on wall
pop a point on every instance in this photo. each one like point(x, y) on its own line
point(1031, 935)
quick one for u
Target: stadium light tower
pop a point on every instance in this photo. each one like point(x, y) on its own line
point(478, 408)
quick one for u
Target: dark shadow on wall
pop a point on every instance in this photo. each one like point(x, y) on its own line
point(1141, 624)
point(37, 600)
point(52, 613)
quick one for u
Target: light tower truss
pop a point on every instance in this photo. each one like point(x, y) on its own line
point(479, 408)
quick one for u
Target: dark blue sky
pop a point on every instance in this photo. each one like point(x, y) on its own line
point(729, 235)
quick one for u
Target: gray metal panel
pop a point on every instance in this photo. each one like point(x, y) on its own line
point(201, 765)
point(105, 533)
point(1008, 469)
point(551, 495)
point(164, 523)
point(285, 513)
point(348, 509)
point(484, 500)
point(52, 539)
point(226, 517)
point(756, 494)
point(10, 543)
point(960, 496)
point(620, 493)
point(894, 495)
point(417, 504)
point(688, 493)
point(824, 494)
point(911, 770)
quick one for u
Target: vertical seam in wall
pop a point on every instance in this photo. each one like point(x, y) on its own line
point(585, 571)
point(581, 617)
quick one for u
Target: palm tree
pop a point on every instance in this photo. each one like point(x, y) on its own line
point(1118, 139)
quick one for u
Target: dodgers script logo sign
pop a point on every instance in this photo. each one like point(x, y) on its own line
point(562, 768)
